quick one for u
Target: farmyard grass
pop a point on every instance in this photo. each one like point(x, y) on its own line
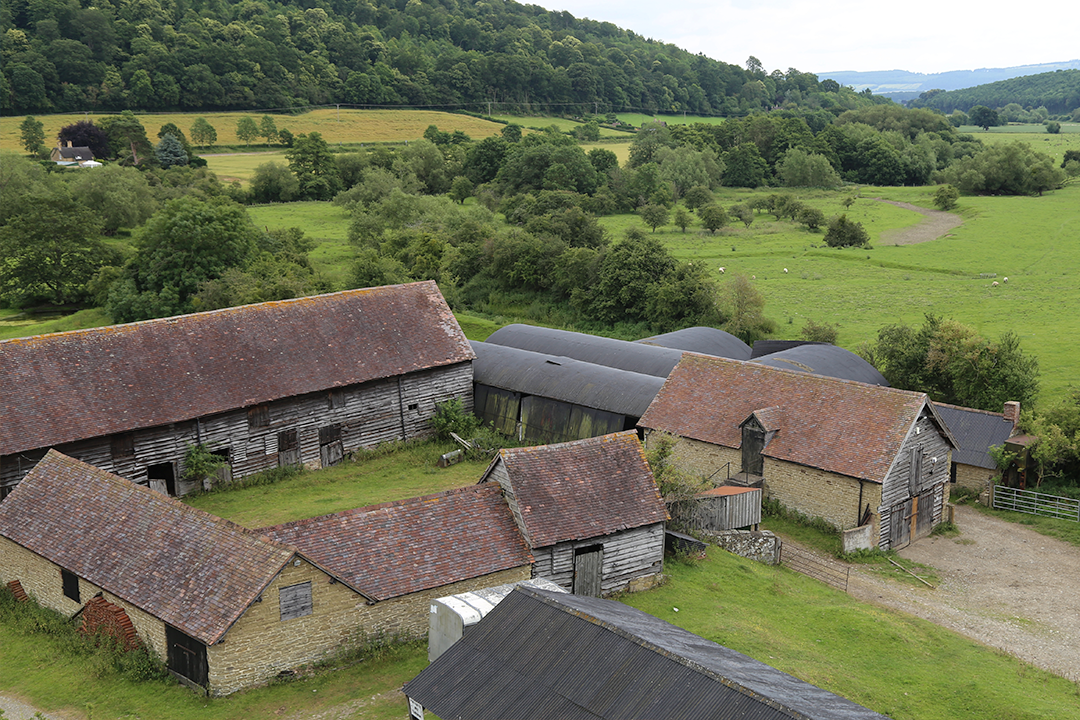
point(898, 665)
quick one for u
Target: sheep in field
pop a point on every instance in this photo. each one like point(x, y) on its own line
point(785, 270)
point(994, 284)
point(721, 271)
point(1004, 280)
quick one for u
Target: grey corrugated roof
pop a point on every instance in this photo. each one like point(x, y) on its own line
point(621, 354)
point(562, 378)
point(975, 431)
point(704, 340)
point(543, 655)
point(826, 360)
point(768, 347)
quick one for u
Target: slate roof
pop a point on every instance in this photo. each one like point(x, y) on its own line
point(851, 428)
point(76, 153)
point(196, 572)
point(562, 378)
point(582, 489)
point(91, 383)
point(975, 431)
point(402, 547)
point(540, 655)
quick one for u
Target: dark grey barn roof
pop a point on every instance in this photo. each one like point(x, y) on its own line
point(704, 340)
point(621, 354)
point(826, 360)
point(975, 431)
point(563, 378)
point(547, 655)
point(768, 347)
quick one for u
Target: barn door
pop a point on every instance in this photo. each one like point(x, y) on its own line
point(288, 448)
point(753, 443)
point(187, 656)
point(331, 450)
point(924, 514)
point(588, 570)
point(900, 525)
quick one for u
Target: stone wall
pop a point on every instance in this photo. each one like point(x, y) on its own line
point(974, 477)
point(817, 493)
point(762, 545)
point(860, 538)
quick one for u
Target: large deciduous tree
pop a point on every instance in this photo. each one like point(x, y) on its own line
point(32, 135)
point(983, 117)
point(85, 133)
point(313, 165)
point(203, 133)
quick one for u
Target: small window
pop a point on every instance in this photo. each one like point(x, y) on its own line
point(123, 446)
point(295, 601)
point(414, 406)
point(259, 417)
point(336, 399)
point(70, 582)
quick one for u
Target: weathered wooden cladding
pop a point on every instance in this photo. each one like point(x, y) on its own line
point(627, 554)
point(932, 451)
point(358, 416)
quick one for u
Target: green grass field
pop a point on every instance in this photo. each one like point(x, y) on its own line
point(325, 223)
point(639, 119)
point(531, 122)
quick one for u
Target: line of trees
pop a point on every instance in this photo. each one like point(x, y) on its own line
point(1054, 93)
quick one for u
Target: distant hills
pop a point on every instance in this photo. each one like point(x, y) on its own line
point(902, 85)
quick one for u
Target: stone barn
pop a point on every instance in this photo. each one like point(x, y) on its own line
point(295, 382)
point(589, 509)
point(852, 453)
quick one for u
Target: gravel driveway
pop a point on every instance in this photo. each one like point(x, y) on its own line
point(935, 223)
point(1001, 584)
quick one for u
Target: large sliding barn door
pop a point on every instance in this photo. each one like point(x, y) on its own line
point(187, 656)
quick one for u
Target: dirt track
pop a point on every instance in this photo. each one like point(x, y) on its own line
point(1001, 584)
point(935, 224)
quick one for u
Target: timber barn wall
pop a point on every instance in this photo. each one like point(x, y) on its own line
point(627, 555)
point(927, 442)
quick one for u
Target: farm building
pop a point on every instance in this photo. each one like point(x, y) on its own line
point(279, 383)
point(227, 607)
point(703, 340)
point(68, 155)
point(849, 452)
point(821, 359)
point(589, 509)
point(976, 431)
point(545, 399)
point(545, 655)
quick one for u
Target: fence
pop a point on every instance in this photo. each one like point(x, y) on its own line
point(1036, 503)
point(819, 568)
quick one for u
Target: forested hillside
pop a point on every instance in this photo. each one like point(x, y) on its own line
point(1058, 92)
point(67, 56)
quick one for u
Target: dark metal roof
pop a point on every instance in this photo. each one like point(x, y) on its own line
point(91, 383)
point(975, 431)
point(826, 360)
point(621, 354)
point(562, 378)
point(768, 347)
point(543, 655)
point(704, 340)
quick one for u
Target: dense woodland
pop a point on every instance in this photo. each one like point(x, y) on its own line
point(67, 55)
point(1056, 93)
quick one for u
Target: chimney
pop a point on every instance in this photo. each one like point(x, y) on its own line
point(1012, 413)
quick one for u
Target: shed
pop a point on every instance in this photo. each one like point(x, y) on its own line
point(589, 509)
point(545, 398)
point(845, 451)
point(726, 508)
point(621, 354)
point(292, 382)
point(976, 431)
point(824, 359)
point(703, 340)
point(541, 655)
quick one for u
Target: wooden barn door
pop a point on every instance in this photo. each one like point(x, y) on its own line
point(187, 656)
point(588, 570)
point(900, 525)
point(924, 514)
point(753, 443)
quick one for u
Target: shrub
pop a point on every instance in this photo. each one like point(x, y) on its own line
point(846, 233)
point(199, 463)
point(945, 197)
point(451, 417)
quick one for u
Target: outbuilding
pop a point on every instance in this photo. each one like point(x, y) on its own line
point(976, 431)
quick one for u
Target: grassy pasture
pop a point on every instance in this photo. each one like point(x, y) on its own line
point(344, 126)
point(639, 119)
point(563, 124)
point(1035, 136)
point(241, 166)
point(323, 222)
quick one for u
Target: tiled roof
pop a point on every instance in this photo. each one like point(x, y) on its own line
point(975, 431)
point(197, 572)
point(841, 426)
point(90, 383)
point(410, 545)
point(583, 489)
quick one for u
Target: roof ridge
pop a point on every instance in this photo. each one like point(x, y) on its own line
point(969, 409)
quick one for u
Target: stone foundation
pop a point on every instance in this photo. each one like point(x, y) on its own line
point(761, 546)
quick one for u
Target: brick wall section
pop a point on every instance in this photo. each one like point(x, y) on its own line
point(101, 616)
point(974, 477)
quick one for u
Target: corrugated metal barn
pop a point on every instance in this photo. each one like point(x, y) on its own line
point(546, 399)
point(825, 360)
point(542, 655)
point(704, 340)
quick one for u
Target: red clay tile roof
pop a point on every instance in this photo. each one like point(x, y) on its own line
point(584, 488)
point(197, 572)
point(842, 426)
point(725, 490)
point(90, 383)
point(402, 547)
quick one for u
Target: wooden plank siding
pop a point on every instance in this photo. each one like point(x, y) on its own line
point(627, 554)
point(924, 443)
point(365, 415)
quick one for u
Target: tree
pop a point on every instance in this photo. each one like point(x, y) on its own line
point(846, 233)
point(203, 133)
point(800, 169)
point(1053, 127)
point(945, 197)
point(983, 117)
point(742, 213)
point(121, 197)
point(85, 133)
point(268, 129)
point(744, 306)
point(654, 215)
point(127, 138)
point(313, 165)
point(745, 167)
point(461, 188)
point(187, 243)
point(273, 182)
point(697, 197)
point(511, 133)
point(1004, 169)
point(170, 152)
point(50, 249)
point(246, 129)
point(820, 332)
point(682, 218)
point(32, 134)
point(713, 217)
point(811, 217)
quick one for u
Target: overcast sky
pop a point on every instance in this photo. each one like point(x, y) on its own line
point(926, 36)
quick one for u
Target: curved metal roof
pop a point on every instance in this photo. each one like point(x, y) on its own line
point(621, 354)
point(704, 340)
point(826, 360)
point(565, 379)
point(768, 347)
